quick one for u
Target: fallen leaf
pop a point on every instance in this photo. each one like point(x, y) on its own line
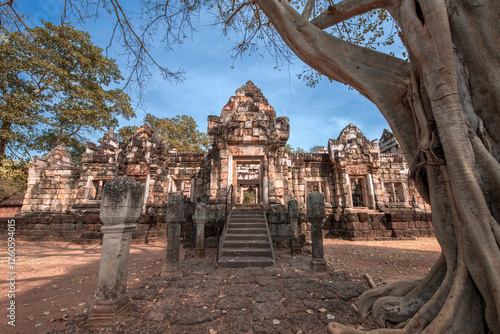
point(38, 325)
point(310, 311)
point(322, 309)
point(46, 313)
point(276, 322)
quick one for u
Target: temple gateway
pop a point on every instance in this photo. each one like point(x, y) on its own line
point(365, 183)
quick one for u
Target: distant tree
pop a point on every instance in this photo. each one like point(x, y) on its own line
point(126, 132)
point(299, 150)
point(316, 148)
point(53, 85)
point(288, 148)
point(13, 177)
point(180, 132)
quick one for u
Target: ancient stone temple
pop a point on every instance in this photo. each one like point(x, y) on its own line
point(365, 183)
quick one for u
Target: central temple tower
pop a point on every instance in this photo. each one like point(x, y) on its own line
point(247, 142)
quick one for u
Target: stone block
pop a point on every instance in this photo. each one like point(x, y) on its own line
point(273, 229)
point(399, 225)
point(398, 234)
point(315, 206)
point(284, 230)
point(364, 217)
point(351, 217)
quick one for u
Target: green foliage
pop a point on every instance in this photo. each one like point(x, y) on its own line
point(249, 196)
point(126, 132)
point(13, 177)
point(179, 132)
point(316, 148)
point(289, 148)
point(299, 150)
point(54, 89)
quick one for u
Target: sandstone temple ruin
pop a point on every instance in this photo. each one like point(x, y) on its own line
point(365, 183)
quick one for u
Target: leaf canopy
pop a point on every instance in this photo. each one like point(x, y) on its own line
point(55, 88)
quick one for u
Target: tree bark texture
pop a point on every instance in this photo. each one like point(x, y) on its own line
point(444, 108)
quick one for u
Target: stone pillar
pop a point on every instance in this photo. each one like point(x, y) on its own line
point(120, 208)
point(348, 195)
point(293, 215)
point(371, 192)
point(316, 214)
point(405, 192)
point(265, 182)
point(176, 208)
point(200, 218)
point(146, 193)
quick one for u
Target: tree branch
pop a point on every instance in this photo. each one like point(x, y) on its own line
point(308, 9)
point(237, 10)
point(345, 10)
point(381, 78)
point(373, 74)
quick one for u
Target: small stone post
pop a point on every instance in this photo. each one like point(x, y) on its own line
point(120, 208)
point(175, 217)
point(293, 215)
point(316, 214)
point(200, 218)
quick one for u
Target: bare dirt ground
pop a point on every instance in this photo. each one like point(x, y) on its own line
point(57, 281)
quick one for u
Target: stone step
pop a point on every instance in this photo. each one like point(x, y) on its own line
point(260, 217)
point(244, 262)
point(246, 252)
point(245, 225)
point(243, 237)
point(247, 220)
point(246, 231)
point(248, 243)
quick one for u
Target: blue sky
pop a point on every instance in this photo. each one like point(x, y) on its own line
point(316, 114)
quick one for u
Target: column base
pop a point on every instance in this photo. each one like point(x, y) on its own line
point(295, 249)
point(318, 266)
point(108, 314)
point(169, 270)
point(199, 253)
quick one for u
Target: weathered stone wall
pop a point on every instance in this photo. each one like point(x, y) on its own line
point(52, 183)
point(306, 173)
point(355, 176)
point(405, 224)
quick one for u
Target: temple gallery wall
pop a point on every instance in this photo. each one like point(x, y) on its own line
point(366, 187)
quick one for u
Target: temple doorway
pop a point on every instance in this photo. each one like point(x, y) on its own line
point(248, 176)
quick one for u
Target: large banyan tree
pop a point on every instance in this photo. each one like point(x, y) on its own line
point(443, 105)
point(444, 108)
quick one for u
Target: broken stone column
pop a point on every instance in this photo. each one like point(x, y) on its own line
point(120, 208)
point(200, 218)
point(316, 214)
point(293, 215)
point(176, 208)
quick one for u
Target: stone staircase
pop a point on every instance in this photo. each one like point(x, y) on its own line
point(246, 241)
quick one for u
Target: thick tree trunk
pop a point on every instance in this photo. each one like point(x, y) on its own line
point(4, 129)
point(448, 102)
